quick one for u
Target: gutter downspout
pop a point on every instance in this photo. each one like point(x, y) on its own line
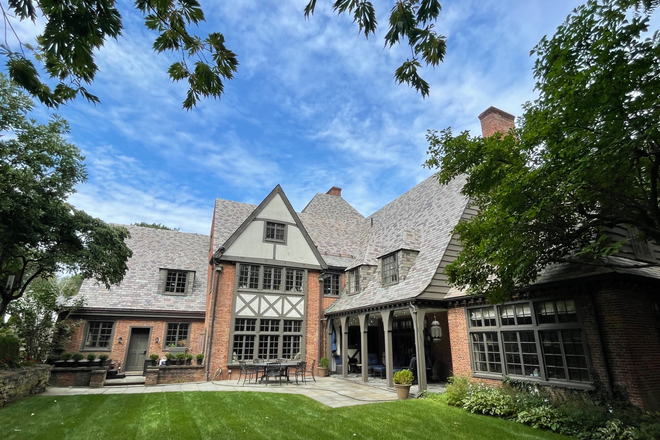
point(321, 319)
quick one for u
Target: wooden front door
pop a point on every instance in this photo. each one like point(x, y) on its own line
point(137, 349)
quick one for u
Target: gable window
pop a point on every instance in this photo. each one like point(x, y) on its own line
point(248, 277)
point(275, 232)
point(176, 281)
point(541, 340)
point(390, 270)
point(331, 284)
point(99, 335)
point(177, 335)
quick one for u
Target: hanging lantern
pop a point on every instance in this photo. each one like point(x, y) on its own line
point(436, 331)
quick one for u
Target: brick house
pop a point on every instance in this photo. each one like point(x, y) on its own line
point(326, 282)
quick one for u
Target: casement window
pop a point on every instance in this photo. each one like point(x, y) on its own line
point(331, 284)
point(390, 270)
point(275, 232)
point(176, 282)
point(177, 334)
point(266, 339)
point(354, 280)
point(269, 278)
point(99, 335)
point(532, 339)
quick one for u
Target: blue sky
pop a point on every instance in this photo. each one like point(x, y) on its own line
point(313, 105)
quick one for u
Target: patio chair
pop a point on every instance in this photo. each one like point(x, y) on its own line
point(246, 372)
point(300, 371)
point(260, 367)
point(412, 367)
point(372, 362)
point(311, 370)
point(274, 369)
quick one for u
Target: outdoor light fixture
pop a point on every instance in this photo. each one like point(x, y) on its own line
point(157, 340)
point(120, 339)
point(436, 331)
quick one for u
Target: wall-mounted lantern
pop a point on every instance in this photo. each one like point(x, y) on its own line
point(436, 331)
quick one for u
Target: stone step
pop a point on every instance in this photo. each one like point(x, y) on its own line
point(128, 380)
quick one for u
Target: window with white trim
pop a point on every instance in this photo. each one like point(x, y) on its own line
point(533, 339)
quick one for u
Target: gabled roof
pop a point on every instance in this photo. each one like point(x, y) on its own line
point(422, 219)
point(155, 249)
point(228, 217)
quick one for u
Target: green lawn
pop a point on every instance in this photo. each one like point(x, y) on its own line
point(244, 415)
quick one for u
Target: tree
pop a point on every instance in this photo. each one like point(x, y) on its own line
point(34, 317)
point(74, 30)
point(585, 156)
point(155, 226)
point(41, 234)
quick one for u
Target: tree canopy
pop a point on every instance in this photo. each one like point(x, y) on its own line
point(40, 233)
point(155, 226)
point(75, 30)
point(585, 156)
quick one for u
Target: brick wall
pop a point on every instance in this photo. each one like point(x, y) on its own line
point(222, 310)
point(313, 331)
point(122, 330)
point(15, 384)
point(70, 377)
point(175, 374)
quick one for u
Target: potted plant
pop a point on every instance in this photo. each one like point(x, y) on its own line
point(102, 358)
point(154, 359)
point(169, 357)
point(189, 358)
point(200, 358)
point(91, 357)
point(402, 381)
point(324, 363)
point(77, 357)
point(180, 358)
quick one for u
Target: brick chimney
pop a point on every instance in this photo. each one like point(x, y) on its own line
point(334, 191)
point(494, 120)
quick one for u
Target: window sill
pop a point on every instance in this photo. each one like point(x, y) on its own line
point(92, 349)
point(538, 380)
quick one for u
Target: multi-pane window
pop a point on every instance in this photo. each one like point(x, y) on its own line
point(99, 335)
point(272, 278)
point(390, 269)
point(486, 350)
point(331, 284)
point(294, 280)
point(245, 325)
point(354, 280)
point(243, 347)
point(269, 346)
point(483, 317)
point(248, 277)
point(275, 231)
point(541, 339)
point(177, 335)
point(267, 339)
point(176, 281)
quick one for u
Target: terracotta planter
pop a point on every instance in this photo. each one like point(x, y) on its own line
point(323, 372)
point(402, 391)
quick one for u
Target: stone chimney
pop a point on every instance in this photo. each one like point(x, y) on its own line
point(494, 120)
point(334, 191)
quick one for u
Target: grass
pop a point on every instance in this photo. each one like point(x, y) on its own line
point(245, 415)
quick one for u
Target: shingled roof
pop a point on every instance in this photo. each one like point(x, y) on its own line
point(155, 249)
point(422, 219)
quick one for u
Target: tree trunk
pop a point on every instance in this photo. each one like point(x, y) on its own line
point(3, 309)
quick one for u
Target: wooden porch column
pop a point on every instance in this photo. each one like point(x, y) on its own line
point(389, 360)
point(364, 350)
point(329, 323)
point(418, 325)
point(344, 346)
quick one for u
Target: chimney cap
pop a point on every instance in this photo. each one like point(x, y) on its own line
point(495, 110)
point(334, 191)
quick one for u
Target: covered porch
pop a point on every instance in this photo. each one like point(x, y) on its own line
point(370, 345)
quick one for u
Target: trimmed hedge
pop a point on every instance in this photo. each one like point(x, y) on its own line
point(9, 348)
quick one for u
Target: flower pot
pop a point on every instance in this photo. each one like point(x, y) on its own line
point(402, 391)
point(102, 362)
point(199, 361)
point(168, 362)
point(188, 361)
point(323, 372)
point(154, 363)
point(59, 364)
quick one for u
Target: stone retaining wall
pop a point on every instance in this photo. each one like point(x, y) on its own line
point(20, 383)
point(175, 374)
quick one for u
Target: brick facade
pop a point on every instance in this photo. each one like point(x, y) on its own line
point(122, 329)
point(220, 320)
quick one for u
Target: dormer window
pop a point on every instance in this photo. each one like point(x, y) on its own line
point(354, 280)
point(390, 270)
point(176, 282)
point(275, 232)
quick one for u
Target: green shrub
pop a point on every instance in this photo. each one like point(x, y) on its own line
point(488, 400)
point(9, 348)
point(200, 356)
point(77, 356)
point(180, 356)
point(324, 363)
point(65, 356)
point(615, 430)
point(91, 357)
point(189, 356)
point(403, 377)
point(169, 356)
point(545, 417)
point(457, 390)
point(104, 357)
point(153, 357)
